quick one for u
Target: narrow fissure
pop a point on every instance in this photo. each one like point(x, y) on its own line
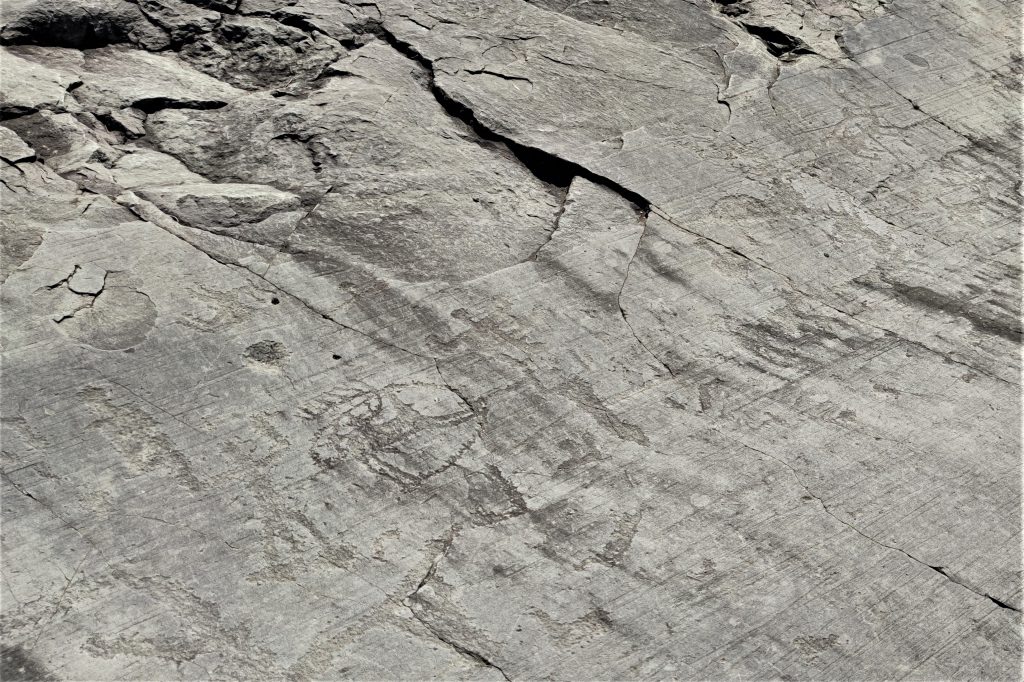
point(544, 165)
point(998, 602)
point(781, 45)
point(938, 569)
point(446, 545)
point(622, 311)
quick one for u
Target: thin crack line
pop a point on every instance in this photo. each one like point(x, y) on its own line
point(938, 569)
point(412, 597)
point(622, 311)
point(49, 508)
point(557, 224)
point(286, 242)
point(132, 204)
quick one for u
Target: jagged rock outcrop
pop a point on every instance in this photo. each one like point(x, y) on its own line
point(432, 339)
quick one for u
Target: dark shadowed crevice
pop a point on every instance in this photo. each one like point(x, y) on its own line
point(544, 165)
point(73, 29)
point(731, 8)
point(151, 105)
point(780, 45)
point(998, 602)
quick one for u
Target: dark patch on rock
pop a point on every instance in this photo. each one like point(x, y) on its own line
point(16, 665)
point(254, 53)
point(267, 352)
point(82, 24)
point(42, 134)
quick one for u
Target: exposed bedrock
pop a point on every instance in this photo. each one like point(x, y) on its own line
point(537, 339)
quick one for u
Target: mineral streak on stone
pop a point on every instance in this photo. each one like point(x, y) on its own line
point(527, 339)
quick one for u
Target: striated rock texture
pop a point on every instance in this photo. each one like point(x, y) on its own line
point(438, 339)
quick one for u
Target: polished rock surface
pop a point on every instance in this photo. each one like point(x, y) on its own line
point(529, 339)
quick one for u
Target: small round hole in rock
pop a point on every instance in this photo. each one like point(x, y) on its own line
point(275, 300)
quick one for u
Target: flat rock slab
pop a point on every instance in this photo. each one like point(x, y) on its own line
point(425, 339)
point(13, 149)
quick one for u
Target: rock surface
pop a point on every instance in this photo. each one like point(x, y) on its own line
point(529, 339)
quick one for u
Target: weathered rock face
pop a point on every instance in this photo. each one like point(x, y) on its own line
point(523, 339)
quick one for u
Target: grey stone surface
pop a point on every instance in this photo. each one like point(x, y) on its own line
point(529, 339)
